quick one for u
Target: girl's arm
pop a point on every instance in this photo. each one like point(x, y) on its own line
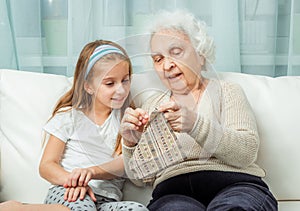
point(106, 171)
point(109, 170)
point(50, 168)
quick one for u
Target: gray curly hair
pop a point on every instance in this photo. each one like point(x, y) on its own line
point(187, 23)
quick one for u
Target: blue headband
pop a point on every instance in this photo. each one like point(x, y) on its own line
point(98, 53)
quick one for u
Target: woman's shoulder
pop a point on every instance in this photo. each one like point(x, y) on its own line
point(226, 86)
point(231, 89)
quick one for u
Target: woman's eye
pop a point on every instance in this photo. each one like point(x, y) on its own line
point(157, 59)
point(176, 51)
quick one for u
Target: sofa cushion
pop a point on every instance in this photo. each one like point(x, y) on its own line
point(26, 102)
point(276, 104)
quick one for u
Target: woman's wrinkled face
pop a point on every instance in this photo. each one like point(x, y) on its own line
point(176, 61)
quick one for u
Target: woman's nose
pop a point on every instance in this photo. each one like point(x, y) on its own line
point(168, 64)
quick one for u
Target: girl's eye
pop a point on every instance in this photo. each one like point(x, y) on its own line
point(109, 84)
point(125, 81)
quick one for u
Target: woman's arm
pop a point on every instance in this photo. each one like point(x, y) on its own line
point(127, 155)
point(233, 140)
point(50, 168)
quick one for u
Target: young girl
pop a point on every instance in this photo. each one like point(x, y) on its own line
point(82, 158)
point(84, 133)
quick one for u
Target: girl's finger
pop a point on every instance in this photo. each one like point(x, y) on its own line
point(70, 194)
point(82, 193)
point(91, 194)
point(76, 194)
point(66, 195)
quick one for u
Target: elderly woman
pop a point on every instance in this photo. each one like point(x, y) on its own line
point(211, 134)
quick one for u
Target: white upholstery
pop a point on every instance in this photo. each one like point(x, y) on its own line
point(27, 99)
point(276, 103)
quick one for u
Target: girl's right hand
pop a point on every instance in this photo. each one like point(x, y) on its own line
point(72, 194)
point(79, 177)
point(132, 125)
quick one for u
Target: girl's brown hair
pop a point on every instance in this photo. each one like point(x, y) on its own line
point(77, 97)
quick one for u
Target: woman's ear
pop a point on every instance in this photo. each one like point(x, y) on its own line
point(202, 60)
point(88, 88)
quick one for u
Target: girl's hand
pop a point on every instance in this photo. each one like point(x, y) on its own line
point(181, 118)
point(72, 194)
point(79, 177)
point(132, 125)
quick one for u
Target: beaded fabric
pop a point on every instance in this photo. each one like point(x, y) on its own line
point(158, 149)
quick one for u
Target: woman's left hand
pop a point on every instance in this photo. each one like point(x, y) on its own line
point(181, 118)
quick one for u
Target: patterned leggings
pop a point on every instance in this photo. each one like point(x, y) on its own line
point(56, 196)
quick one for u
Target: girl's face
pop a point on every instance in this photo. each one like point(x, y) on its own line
point(110, 84)
point(176, 61)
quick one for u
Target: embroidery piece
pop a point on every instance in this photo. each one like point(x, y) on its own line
point(158, 149)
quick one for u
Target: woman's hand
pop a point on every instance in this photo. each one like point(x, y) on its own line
point(79, 177)
point(181, 118)
point(72, 194)
point(132, 125)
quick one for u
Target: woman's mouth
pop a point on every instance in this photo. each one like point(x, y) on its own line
point(174, 76)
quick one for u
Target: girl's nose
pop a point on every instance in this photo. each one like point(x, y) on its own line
point(121, 89)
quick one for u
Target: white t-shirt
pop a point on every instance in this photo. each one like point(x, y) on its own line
point(88, 144)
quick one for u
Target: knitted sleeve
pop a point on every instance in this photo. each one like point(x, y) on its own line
point(127, 152)
point(127, 155)
point(234, 139)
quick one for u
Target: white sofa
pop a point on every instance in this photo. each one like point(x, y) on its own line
point(27, 100)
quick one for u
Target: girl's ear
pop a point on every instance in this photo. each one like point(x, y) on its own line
point(88, 88)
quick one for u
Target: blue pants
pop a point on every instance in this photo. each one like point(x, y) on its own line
point(212, 191)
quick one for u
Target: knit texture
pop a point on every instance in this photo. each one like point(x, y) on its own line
point(158, 149)
point(224, 137)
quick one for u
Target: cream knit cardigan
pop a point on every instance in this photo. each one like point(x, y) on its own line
point(224, 137)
